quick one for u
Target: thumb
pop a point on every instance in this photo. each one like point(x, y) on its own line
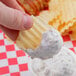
point(14, 19)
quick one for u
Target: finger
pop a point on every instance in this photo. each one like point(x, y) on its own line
point(14, 19)
point(12, 34)
point(12, 4)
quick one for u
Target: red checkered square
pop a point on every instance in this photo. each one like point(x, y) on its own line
point(10, 48)
point(20, 53)
point(4, 70)
point(12, 61)
point(15, 74)
point(23, 67)
point(1, 42)
point(74, 43)
point(0, 31)
point(4, 35)
point(72, 50)
point(3, 56)
point(66, 38)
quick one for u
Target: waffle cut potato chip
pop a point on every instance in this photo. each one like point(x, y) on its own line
point(44, 16)
point(33, 7)
point(30, 39)
point(64, 14)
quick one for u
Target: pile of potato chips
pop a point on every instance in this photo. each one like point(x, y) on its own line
point(63, 16)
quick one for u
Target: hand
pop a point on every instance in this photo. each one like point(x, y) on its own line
point(12, 19)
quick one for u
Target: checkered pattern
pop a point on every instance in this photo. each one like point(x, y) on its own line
point(14, 62)
point(69, 43)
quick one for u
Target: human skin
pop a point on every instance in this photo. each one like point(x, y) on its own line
point(13, 19)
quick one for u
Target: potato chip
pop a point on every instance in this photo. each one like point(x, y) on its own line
point(33, 7)
point(64, 14)
point(32, 38)
point(71, 31)
point(61, 15)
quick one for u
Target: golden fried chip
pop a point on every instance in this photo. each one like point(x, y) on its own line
point(31, 38)
point(64, 14)
point(71, 31)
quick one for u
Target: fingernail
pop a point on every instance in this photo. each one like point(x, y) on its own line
point(28, 22)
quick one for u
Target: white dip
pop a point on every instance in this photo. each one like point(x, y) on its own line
point(50, 45)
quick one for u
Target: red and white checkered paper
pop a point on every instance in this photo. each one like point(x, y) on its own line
point(14, 62)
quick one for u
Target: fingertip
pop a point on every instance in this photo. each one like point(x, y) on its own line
point(28, 22)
